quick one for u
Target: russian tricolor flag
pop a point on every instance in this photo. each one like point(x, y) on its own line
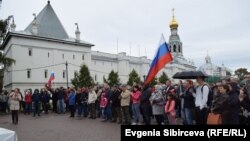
point(162, 57)
point(52, 77)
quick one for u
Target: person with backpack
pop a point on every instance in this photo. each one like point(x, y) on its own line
point(201, 99)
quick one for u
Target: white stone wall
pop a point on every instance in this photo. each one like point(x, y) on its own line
point(100, 64)
point(40, 61)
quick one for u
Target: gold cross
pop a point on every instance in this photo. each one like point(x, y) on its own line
point(173, 12)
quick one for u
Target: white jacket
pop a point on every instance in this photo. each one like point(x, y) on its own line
point(92, 97)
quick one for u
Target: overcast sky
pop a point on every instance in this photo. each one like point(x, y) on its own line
point(219, 27)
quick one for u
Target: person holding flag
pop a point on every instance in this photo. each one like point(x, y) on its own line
point(52, 77)
point(162, 57)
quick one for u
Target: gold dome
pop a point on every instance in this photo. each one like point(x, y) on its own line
point(173, 23)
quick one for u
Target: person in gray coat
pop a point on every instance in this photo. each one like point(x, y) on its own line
point(157, 102)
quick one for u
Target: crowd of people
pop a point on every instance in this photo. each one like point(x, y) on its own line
point(189, 102)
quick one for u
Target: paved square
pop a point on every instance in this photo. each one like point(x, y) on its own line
point(54, 127)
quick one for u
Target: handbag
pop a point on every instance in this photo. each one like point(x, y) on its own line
point(214, 119)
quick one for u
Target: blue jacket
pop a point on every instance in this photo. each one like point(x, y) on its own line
point(72, 98)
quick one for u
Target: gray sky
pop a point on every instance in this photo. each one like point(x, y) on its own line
point(220, 27)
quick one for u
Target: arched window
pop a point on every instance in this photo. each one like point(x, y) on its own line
point(174, 48)
point(179, 48)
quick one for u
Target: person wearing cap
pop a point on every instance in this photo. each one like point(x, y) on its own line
point(125, 102)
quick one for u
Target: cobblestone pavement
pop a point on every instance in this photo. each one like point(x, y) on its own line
point(55, 127)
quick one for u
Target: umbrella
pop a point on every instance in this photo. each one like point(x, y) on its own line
point(7, 135)
point(189, 75)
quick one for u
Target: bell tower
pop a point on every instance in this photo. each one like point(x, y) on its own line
point(175, 44)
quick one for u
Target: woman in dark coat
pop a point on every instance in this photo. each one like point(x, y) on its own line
point(222, 104)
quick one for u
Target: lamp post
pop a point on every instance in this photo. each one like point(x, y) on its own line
point(67, 74)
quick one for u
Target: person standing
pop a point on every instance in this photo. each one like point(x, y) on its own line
point(125, 102)
point(36, 99)
point(91, 100)
point(145, 104)
point(72, 101)
point(4, 101)
point(170, 109)
point(15, 98)
point(167, 89)
point(116, 105)
point(79, 102)
point(103, 105)
point(157, 101)
point(188, 102)
point(201, 98)
point(28, 102)
point(55, 99)
point(136, 104)
point(222, 105)
point(60, 102)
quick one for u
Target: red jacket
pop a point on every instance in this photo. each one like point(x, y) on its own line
point(136, 97)
point(170, 107)
point(28, 98)
point(104, 102)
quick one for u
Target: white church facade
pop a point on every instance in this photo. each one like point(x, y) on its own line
point(44, 46)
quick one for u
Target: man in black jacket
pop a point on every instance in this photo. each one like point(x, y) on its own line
point(145, 104)
point(116, 104)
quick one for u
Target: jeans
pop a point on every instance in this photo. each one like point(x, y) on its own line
point(82, 110)
point(188, 114)
point(61, 106)
point(79, 110)
point(36, 109)
point(109, 112)
point(103, 113)
point(136, 112)
point(28, 108)
point(46, 107)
